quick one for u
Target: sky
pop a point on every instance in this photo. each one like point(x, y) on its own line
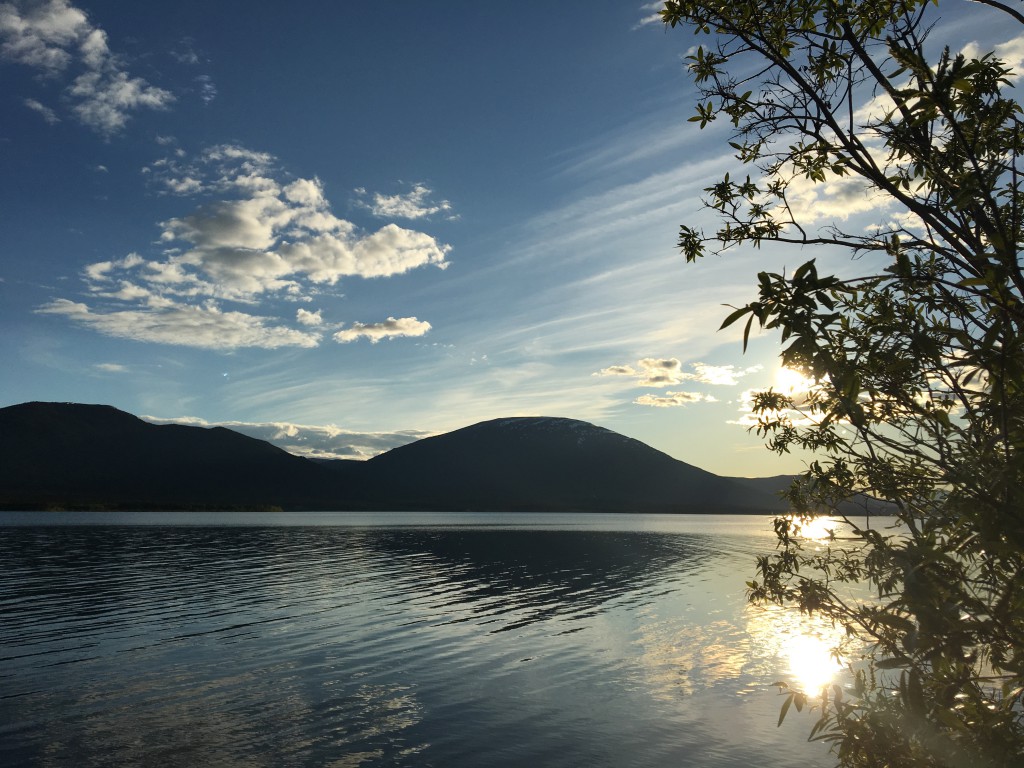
point(342, 226)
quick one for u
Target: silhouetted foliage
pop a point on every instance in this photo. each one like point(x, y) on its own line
point(917, 362)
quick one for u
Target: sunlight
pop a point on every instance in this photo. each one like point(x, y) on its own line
point(810, 662)
point(792, 383)
point(815, 529)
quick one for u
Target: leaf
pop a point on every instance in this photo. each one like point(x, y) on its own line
point(785, 709)
point(733, 317)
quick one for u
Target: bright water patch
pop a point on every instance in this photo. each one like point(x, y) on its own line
point(414, 640)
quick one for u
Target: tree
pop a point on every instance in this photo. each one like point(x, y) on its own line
point(917, 360)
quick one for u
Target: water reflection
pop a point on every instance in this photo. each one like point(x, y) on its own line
point(379, 646)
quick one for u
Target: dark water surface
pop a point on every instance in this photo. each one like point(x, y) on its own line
point(372, 640)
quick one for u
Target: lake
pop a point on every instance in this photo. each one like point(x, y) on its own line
point(329, 639)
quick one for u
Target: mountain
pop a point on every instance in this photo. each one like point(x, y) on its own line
point(82, 455)
point(552, 463)
point(67, 454)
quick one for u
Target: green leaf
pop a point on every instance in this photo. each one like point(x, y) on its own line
point(785, 708)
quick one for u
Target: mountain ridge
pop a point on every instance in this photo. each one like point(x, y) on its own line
point(89, 456)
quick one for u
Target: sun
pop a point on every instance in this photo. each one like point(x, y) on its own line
point(790, 382)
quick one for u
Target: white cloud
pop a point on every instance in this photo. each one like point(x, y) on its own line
point(666, 372)
point(55, 36)
point(262, 237)
point(674, 399)
point(207, 89)
point(271, 235)
point(416, 204)
point(1010, 53)
point(305, 317)
point(311, 441)
point(39, 35)
point(389, 329)
point(204, 327)
point(47, 114)
point(721, 375)
point(793, 385)
point(111, 367)
point(105, 99)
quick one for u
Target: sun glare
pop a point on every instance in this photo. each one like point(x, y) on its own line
point(810, 662)
point(790, 382)
point(816, 529)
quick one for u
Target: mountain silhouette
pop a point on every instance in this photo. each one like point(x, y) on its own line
point(70, 455)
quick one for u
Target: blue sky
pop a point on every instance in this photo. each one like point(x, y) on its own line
point(344, 225)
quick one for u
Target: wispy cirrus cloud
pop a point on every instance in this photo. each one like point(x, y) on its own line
point(255, 235)
point(57, 38)
point(44, 111)
point(204, 326)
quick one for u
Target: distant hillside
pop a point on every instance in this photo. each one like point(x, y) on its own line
point(553, 463)
point(80, 456)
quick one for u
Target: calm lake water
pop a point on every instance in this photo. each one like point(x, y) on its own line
point(179, 639)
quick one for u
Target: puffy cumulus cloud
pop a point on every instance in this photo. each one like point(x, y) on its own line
point(673, 399)
point(1010, 53)
point(310, 441)
point(54, 36)
point(271, 234)
point(389, 329)
point(835, 199)
point(42, 35)
point(305, 317)
point(666, 372)
point(650, 372)
point(415, 204)
point(205, 327)
point(257, 236)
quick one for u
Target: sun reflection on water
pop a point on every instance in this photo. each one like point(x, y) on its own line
point(815, 528)
point(812, 663)
point(799, 648)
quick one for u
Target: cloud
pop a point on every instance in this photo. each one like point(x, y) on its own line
point(416, 204)
point(54, 36)
point(207, 90)
point(203, 327)
point(310, 441)
point(666, 372)
point(650, 372)
point(185, 52)
point(651, 16)
point(258, 235)
point(305, 317)
point(47, 114)
point(106, 97)
point(111, 367)
point(673, 399)
point(795, 416)
point(721, 375)
point(270, 234)
point(389, 329)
